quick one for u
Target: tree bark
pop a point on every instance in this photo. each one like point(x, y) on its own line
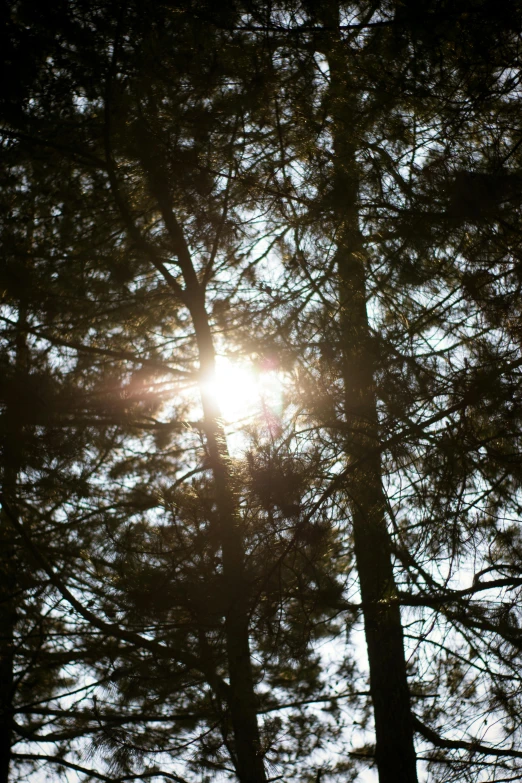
point(394, 729)
point(395, 749)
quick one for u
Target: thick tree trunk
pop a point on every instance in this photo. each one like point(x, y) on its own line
point(395, 749)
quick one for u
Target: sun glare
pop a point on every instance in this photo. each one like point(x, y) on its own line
point(245, 391)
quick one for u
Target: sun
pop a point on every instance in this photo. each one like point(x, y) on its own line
point(245, 391)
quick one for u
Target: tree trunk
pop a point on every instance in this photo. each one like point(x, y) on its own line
point(242, 700)
point(395, 749)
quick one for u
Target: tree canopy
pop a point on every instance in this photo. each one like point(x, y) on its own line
point(260, 404)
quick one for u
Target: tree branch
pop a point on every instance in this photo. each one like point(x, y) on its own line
point(473, 747)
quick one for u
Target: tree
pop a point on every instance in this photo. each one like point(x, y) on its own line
point(118, 190)
point(362, 177)
point(350, 144)
point(47, 459)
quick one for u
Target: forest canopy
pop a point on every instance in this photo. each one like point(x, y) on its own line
point(260, 394)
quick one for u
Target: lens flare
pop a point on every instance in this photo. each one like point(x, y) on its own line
point(245, 391)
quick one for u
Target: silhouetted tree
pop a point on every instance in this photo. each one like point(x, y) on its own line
point(332, 189)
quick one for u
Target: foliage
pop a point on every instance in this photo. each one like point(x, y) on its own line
point(330, 190)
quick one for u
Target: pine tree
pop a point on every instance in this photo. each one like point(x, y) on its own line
point(383, 249)
point(47, 459)
point(130, 287)
point(370, 152)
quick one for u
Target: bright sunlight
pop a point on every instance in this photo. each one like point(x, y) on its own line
point(245, 390)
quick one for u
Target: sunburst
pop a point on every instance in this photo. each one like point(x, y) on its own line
point(245, 391)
